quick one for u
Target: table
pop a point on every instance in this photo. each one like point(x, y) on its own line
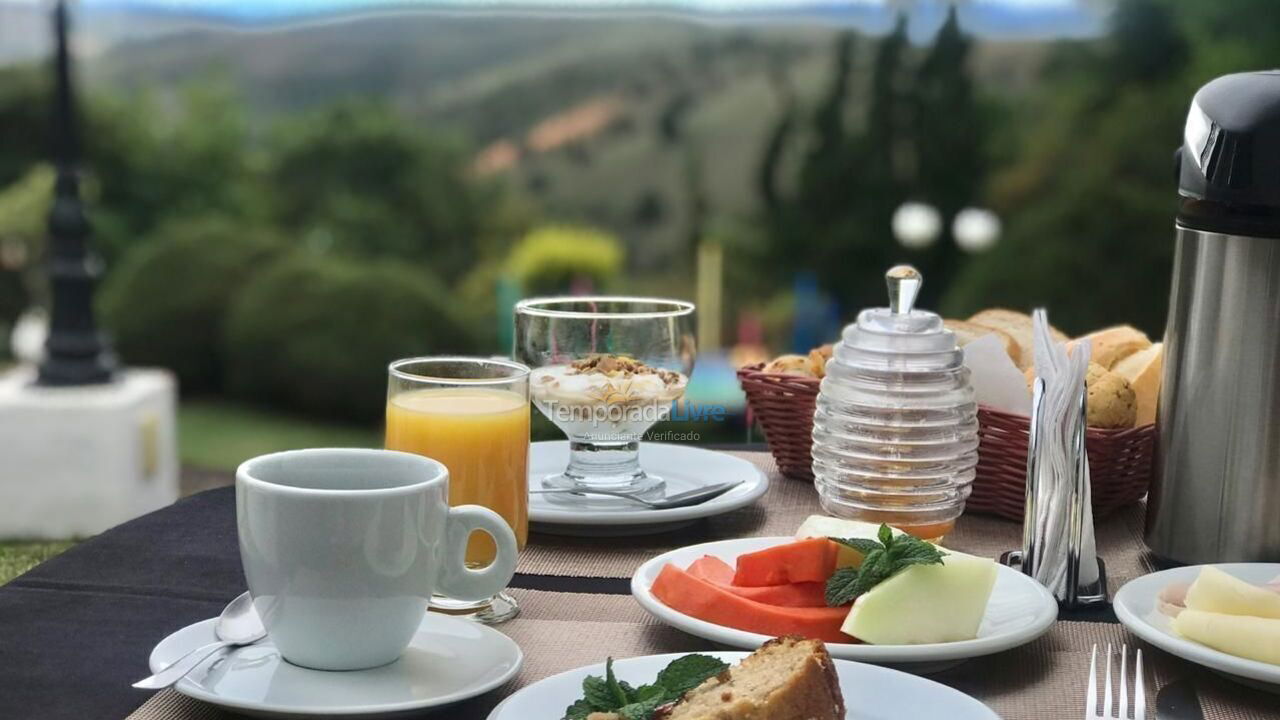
point(76, 631)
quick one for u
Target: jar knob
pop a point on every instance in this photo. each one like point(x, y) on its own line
point(904, 285)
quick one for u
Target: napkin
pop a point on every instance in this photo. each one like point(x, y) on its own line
point(997, 382)
point(1055, 482)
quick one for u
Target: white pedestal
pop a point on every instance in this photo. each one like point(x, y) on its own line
point(76, 461)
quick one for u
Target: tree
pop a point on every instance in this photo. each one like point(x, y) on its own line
point(154, 161)
point(836, 223)
point(1089, 202)
point(360, 179)
point(949, 154)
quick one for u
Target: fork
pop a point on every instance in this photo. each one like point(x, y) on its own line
point(1122, 711)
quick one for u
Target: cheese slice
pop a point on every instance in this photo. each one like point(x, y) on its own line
point(1244, 636)
point(1216, 591)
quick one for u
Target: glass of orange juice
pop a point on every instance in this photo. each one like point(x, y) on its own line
point(472, 415)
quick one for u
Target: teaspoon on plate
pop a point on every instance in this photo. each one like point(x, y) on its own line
point(238, 625)
point(683, 499)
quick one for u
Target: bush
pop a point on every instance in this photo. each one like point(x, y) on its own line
point(549, 259)
point(167, 301)
point(315, 333)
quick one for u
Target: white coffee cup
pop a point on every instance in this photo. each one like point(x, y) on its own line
point(343, 548)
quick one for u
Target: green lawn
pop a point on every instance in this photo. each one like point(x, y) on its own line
point(19, 557)
point(219, 435)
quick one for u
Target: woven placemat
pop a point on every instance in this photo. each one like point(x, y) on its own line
point(780, 512)
point(1044, 679)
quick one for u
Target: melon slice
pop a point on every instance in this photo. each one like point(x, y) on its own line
point(1254, 638)
point(1215, 591)
point(823, 526)
point(925, 603)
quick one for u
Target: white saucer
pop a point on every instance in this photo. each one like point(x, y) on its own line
point(683, 467)
point(870, 692)
point(1020, 610)
point(1135, 606)
point(449, 660)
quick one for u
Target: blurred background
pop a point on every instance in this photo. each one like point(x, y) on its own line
point(288, 194)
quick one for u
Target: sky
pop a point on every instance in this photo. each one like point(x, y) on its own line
point(268, 8)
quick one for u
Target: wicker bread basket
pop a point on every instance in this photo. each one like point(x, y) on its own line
point(783, 404)
point(1119, 460)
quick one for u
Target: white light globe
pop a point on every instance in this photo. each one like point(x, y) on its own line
point(976, 230)
point(916, 225)
point(29, 333)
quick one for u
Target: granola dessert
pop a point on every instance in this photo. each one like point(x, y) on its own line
point(611, 395)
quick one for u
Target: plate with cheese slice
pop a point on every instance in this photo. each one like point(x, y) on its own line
point(871, 593)
point(1225, 617)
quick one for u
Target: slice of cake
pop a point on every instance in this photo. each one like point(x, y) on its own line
point(788, 678)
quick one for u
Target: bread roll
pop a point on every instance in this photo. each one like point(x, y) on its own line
point(790, 365)
point(1114, 344)
point(966, 332)
point(1018, 326)
point(1111, 402)
point(1143, 371)
point(818, 358)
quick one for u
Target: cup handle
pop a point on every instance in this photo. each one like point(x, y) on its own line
point(461, 582)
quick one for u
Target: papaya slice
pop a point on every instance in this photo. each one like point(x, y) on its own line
point(698, 598)
point(719, 573)
point(808, 560)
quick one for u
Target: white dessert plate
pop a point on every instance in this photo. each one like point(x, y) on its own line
point(1019, 611)
point(1135, 606)
point(683, 467)
point(449, 660)
point(870, 692)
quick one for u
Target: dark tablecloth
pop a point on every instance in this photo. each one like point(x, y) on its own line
point(77, 630)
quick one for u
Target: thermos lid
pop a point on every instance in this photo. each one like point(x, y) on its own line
point(1229, 162)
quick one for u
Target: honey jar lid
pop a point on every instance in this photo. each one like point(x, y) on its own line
point(901, 327)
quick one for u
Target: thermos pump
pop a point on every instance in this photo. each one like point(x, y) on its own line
point(1215, 495)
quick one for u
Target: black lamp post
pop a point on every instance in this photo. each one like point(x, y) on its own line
point(76, 353)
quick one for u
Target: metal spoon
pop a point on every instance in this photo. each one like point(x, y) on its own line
point(238, 625)
point(684, 499)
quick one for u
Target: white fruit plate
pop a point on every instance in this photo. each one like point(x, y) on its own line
point(871, 693)
point(1135, 605)
point(1019, 611)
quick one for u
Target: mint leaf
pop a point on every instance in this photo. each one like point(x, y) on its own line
point(840, 586)
point(608, 694)
point(880, 562)
point(579, 710)
point(863, 545)
point(616, 691)
point(686, 673)
point(596, 693)
point(907, 551)
point(647, 692)
point(886, 535)
point(642, 710)
point(876, 568)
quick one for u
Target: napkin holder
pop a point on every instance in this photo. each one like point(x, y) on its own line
point(1077, 594)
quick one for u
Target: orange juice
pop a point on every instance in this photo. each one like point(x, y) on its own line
point(482, 437)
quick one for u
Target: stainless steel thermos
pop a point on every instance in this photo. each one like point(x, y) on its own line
point(1215, 495)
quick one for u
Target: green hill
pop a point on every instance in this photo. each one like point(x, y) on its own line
point(693, 103)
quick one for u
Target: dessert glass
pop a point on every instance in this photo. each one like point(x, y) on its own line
point(605, 369)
